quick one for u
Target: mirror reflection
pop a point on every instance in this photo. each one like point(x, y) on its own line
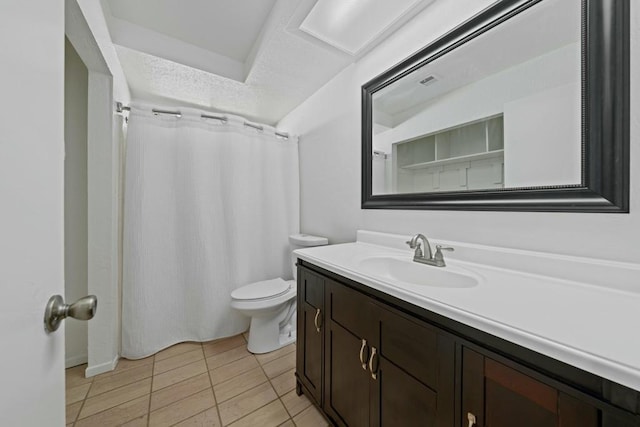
point(501, 111)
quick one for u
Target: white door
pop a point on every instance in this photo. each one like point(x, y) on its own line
point(31, 210)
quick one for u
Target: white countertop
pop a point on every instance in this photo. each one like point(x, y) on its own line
point(586, 314)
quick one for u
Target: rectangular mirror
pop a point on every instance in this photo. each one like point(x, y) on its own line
point(523, 107)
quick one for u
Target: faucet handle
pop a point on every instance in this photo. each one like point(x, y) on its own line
point(438, 257)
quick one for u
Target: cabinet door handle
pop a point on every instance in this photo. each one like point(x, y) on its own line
point(316, 319)
point(471, 418)
point(363, 359)
point(374, 375)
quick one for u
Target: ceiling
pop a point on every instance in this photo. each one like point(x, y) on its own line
point(246, 57)
point(544, 28)
point(202, 23)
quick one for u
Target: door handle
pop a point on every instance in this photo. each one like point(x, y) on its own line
point(363, 359)
point(316, 319)
point(472, 419)
point(374, 375)
point(56, 311)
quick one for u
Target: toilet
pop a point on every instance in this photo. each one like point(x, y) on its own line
point(271, 304)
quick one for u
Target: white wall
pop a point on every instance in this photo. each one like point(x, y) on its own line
point(87, 31)
point(533, 126)
point(329, 125)
point(76, 79)
point(103, 190)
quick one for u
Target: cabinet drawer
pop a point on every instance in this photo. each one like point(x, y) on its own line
point(411, 346)
point(311, 286)
point(350, 309)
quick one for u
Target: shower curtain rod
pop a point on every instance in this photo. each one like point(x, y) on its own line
point(122, 108)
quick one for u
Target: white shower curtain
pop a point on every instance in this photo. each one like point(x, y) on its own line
point(208, 208)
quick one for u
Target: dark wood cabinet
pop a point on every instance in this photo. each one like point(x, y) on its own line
point(382, 366)
point(367, 359)
point(347, 378)
point(346, 382)
point(310, 339)
point(415, 373)
point(497, 395)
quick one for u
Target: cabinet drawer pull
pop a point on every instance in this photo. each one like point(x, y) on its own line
point(374, 375)
point(471, 418)
point(363, 359)
point(316, 319)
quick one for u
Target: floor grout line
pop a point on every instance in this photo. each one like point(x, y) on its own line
point(83, 402)
point(211, 385)
point(274, 389)
point(255, 410)
point(177, 367)
point(213, 390)
point(153, 368)
point(174, 345)
point(195, 415)
point(117, 388)
point(184, 380)
point(228, 363)
point(244, 391)
point(282, 355)
point(256, 386)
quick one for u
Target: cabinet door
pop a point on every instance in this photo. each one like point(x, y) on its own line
point(415, 373)
point(310, 341)
point(500, 396)
point(400, 399)
point(347, 382)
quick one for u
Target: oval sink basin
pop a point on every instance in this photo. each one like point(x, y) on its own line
point(409, 271)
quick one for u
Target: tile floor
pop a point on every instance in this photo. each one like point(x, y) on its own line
point(217, 383)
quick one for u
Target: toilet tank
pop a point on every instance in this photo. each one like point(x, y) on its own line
point(299, 241)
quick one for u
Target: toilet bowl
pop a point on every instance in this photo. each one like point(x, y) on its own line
point(271, 304)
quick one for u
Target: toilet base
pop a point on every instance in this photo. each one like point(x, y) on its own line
point(285, 339)
point(265, 336)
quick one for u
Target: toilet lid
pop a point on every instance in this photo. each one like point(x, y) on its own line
point(261, 290)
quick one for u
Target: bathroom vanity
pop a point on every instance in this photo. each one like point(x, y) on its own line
point(375, 349)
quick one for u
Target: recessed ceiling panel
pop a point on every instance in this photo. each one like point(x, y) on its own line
point(226, 27)
point(351, 25)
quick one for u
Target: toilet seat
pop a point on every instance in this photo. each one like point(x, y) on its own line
point(268, 303)
point(260, 291)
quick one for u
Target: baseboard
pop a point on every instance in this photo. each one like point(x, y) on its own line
point(72, 361)
point(102, 368)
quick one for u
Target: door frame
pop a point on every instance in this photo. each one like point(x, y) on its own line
point(82, 22)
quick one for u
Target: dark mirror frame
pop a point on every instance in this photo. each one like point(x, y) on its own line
point(605, 120)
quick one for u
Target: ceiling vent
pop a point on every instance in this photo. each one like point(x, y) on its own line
point(428, 80)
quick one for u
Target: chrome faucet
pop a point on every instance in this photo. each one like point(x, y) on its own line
point(435, 260)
